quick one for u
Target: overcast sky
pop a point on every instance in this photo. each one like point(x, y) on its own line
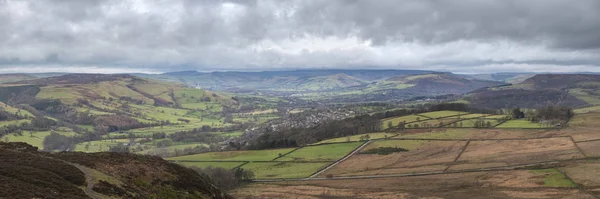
point(467, 36)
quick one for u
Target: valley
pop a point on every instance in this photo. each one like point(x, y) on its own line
point(301, 141)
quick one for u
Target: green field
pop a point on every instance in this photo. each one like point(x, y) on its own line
point(553, 178)
point(253, 155)
point(496, 116)
point(471, 122)
point(355, 138)
point(327, 152)
point(473, 115)
point(98, 145)
point(436, 122)
point(14, 110)
point(226, 165)
point(34, 138)
point(587, 109)
point(592, 97)
point(170, 149)
point(396, 120)
point(264, 170)
point(15, 122)
point(521, 123)
point(438, 114)
point(231, 134)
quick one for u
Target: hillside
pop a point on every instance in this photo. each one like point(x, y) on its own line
point(93, 112)
point(282, 81)
point(15, 77)
point(27, 173)
point(405, 87)
point(573, 90)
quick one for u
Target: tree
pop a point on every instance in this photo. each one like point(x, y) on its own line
point(517, 113)
point(390, 125)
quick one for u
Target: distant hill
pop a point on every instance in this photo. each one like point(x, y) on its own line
point(405, 87)
point(573, 90)
point(15, 77)
point(296, 80)
point(27, 173)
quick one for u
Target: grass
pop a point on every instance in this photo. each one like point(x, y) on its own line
point(396, 120)
point(15, 122)
point(173, 148)
point(438, 114)
point(33, 138)
point(232, 134)
point(583, 95)
point(14, 110)
point(495, 116)
point(587, 109)
point(469, 116)
point(355, 138)
point(436, 122)
point(328, 152)
point(554, 178)
point(521, 123)
point(226, 165)
point(98, 145)
point(471, 122)
point(264, 170)
point(406, 144)
point(253, 155)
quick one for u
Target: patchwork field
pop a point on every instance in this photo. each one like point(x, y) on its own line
point(258, 155)
point(266, 170)
point(500, 184)
point(326, 152)
point(438, 114)
point(355, 138)
point(397, 120)
point(591, 149)
point(482, 154)
point(520, 124)
point(226, 165)
point(422, 156)
point(473, 115)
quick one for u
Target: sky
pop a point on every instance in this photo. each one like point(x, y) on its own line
point(153, 36)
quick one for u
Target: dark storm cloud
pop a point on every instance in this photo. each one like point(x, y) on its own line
point(163, 35)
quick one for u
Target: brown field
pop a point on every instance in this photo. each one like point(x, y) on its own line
point(423, 156)
point(583, 127)
point(482, 154)
point(591, 149)
point(466, 133)
point(585, 173)
point(498, 184)
point(435, 156)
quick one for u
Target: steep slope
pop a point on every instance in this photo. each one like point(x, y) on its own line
point(573, 90)
point(27, 173)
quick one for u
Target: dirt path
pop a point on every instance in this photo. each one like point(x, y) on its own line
point(89, 180)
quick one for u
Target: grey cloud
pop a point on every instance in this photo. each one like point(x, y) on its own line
point(189, 34)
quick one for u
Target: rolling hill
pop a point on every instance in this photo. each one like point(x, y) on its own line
point(282, 81)
point(15, 77)
point(573, 90)
point(93, 112)
point(405, 87)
